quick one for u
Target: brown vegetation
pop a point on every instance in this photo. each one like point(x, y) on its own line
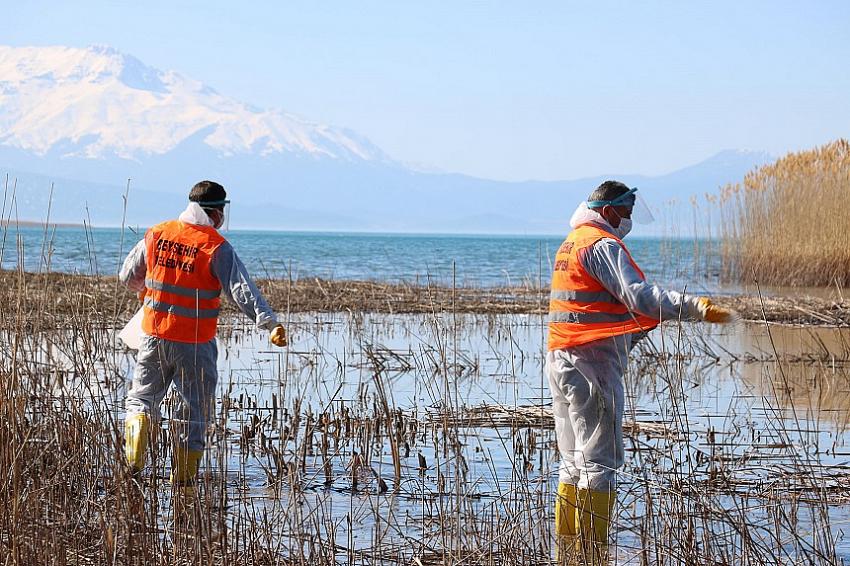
point(103, 299)
point(787, 223)
point(291, 479)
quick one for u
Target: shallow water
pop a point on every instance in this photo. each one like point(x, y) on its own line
point(737, 424)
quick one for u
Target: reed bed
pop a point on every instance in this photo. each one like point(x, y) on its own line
point(102, 298)
point(411, 424)
point(785, 223)
point(417, 438)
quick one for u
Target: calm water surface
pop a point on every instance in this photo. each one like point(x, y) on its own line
point(752, 414)
point(490, 260)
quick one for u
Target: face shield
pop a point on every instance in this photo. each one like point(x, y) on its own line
point(640, 211)
point(223, 206)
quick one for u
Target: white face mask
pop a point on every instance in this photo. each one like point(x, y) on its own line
point(624, 228)
point(220, 223)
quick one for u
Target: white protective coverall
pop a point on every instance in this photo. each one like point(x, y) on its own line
point(587, 381)
point(191, 367)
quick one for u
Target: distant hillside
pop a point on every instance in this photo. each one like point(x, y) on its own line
point(88, 119)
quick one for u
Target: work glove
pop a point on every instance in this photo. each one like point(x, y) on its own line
point(278, 336)
point(713, 313)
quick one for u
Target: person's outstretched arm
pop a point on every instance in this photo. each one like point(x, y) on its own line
point(608, 263)
point(238, 286)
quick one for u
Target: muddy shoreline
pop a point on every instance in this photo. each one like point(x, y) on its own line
point(101, 298)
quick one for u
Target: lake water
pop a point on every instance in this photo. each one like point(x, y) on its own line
point(738, 428)
point(490, 260)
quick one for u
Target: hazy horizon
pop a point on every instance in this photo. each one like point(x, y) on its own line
point(549, 92)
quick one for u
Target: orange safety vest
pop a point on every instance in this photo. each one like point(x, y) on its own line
point(181, 298)
point(581, 310)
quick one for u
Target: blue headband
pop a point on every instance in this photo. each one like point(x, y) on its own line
point(206, 203)
point(625, 199)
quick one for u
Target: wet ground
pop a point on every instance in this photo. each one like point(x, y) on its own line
point(401, 436)
point(105, 300)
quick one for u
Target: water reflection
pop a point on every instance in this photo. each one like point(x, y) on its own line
point(719, 415)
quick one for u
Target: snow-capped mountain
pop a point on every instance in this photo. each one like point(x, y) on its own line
point(88, 119)
point(98, 103)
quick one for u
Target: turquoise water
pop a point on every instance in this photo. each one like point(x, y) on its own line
point(487, 260)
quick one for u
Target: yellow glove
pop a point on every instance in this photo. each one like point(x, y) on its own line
point(278, 336)
point(713, 313)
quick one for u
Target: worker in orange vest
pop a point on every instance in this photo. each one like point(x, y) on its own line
point(181, 269)
point(600, 304)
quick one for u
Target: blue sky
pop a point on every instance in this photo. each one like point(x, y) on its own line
point(544, 90)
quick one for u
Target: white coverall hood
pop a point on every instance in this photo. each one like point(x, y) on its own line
point(584, 215)
point(194, 214)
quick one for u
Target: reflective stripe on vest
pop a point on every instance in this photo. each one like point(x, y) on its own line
point(181, 300)
point(584, 296)
point(183, 291)
point(581, 310)
point(161, 306)
point(589, 317)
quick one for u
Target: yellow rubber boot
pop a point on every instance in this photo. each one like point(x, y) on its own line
point(566, 527)
point(136, 434)
point(593, 512)
point(184, 472)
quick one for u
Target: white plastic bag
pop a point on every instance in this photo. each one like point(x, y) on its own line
point(132, 333)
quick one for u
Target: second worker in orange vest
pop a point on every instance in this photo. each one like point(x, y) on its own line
point(600, 304)
point(182, 268)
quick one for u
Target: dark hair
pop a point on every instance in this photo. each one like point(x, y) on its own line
point(609, 190)
point(208, 191)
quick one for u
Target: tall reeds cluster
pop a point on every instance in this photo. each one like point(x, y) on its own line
point(787, 223)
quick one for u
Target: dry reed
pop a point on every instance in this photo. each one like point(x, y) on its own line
point(101, 298)
point(787, 224)
point(318, 455)
point(691, 494)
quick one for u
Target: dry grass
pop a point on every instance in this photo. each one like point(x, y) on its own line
point(787, 224)
point(285, 475)
point(103, 300)
point(104, 296)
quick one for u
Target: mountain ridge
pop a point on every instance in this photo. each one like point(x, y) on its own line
point(513, 208)
point(88, 119)
point(111, 104)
